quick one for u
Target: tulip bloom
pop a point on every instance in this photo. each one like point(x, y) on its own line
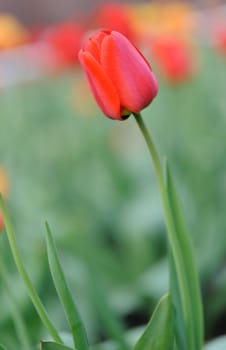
point(119, 76)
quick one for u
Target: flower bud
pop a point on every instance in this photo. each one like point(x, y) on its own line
point(119, 76)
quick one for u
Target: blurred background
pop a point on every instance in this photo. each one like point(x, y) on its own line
point(61, 160)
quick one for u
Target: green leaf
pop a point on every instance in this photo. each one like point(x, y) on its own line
point(75, 322)
point(17, 318)
point(24, 275)
point(216, 344)
point(158, 334)
point(188, 324)
point(178, 316)
point(47, 345)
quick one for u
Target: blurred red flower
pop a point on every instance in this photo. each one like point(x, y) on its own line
point(65, 39)
point(220, 38)
point(114, 16)
point(173, 57)
point(119, 76)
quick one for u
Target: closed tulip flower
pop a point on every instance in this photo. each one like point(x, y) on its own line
point(119, 76)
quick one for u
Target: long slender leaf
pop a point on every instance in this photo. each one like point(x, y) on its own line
point(24, 275)
point(178, 315)
point(158, 334)
point(18, 320)
point(46, 345)
point(74, 319)
point(175, 247)
point(194, 320)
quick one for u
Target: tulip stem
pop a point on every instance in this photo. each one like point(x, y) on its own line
point(172, 236)
point(160, 178)
point(158, 170)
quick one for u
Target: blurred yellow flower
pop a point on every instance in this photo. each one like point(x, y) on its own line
point(4, 185)
point(12, 33)
point(158, 18)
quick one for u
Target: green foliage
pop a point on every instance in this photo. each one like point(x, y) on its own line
point(74, 319)
point(2, 347)
point(46, 345)
point(187, 301)
point(159, 333)
point(24, 275)
point(18, 320)
point(90, 179)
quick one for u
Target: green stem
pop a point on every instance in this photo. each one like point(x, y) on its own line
point(16, 316)
point(30, 289)
point(168, 216)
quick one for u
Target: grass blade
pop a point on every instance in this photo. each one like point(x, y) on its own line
point(74, 319)
point(23, 273)
point(18, 321)
point(158, 334)
point(174, 242)
point(192, 289)
point(178, 316)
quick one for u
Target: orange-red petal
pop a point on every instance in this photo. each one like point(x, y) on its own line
point(102, 87)
point(93, 44)
point(129, 72)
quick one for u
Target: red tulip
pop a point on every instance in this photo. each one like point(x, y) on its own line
point(119, 76)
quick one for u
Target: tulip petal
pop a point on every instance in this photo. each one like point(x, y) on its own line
point(129, 72)
point(101, 86)
point(93, 45)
